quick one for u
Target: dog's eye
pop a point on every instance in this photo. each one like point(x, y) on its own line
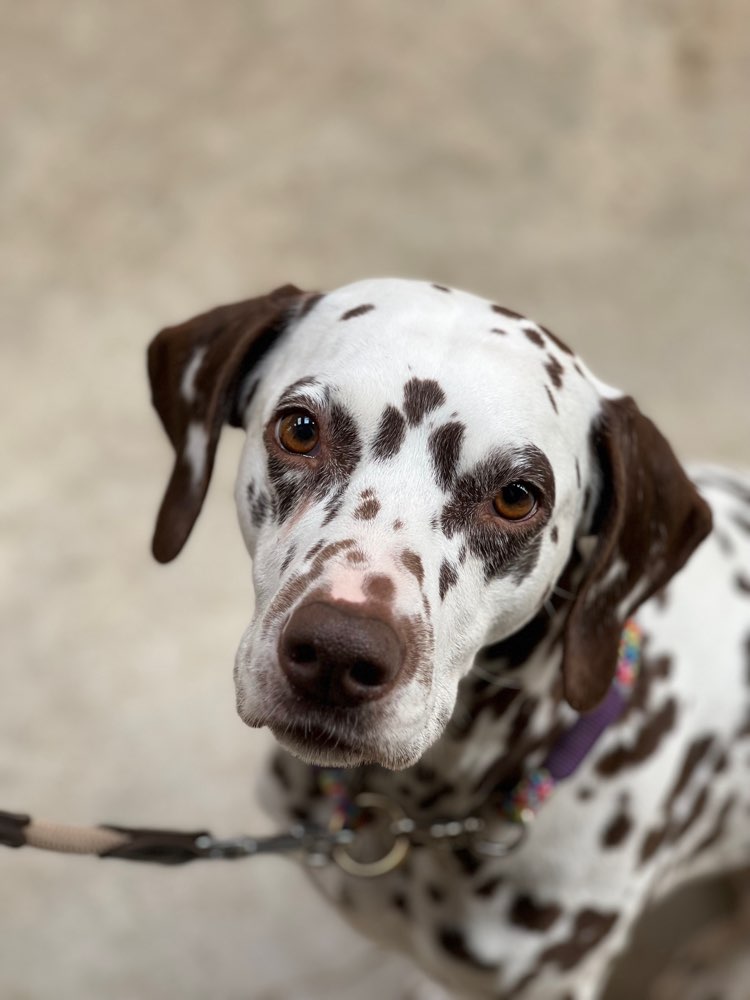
point(298, 433)
point(514, 502)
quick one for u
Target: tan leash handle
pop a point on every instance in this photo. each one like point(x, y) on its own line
point(167, 847)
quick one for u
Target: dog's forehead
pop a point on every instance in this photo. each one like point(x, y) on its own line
point(504, 377)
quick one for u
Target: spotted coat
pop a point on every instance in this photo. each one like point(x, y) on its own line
point(427, 420)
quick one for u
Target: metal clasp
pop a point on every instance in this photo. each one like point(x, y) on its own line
point(400, 827)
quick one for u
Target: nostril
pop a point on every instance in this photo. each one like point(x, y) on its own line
point(303, 652)
point(366, 673)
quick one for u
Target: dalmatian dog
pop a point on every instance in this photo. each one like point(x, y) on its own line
point(451, 521)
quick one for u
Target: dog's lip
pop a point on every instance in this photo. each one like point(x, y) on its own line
point(314, 736)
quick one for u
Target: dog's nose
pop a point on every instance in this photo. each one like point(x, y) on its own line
point(338, 658)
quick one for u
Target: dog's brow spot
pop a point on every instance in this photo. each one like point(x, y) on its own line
point(554, 534)
point(551, 398)
point(448, 578)
point(368, 509)
point(380, 587)
point(445, 449)
point(390, 433)
point(440, 288)
point(357, 311)
point(534, 337)
point(414, 564)
point(421, 396)
point(510, 313)
point(398, 525)
point(555, 371)
point(356, 557)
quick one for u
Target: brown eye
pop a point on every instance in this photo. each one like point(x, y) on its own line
point(514, 502)
point(298, 433)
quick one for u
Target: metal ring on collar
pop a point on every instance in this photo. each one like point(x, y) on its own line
point(372, 802)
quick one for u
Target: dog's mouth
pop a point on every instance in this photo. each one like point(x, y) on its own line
point(319, 744)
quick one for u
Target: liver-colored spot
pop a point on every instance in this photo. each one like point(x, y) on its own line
point(646, 742)
point(448, 578)
point(380, 588)
point(421, 396)
point(368, 509)
point(532, 916)
point(414, 564)
point(390, 433)
point(535, 337)
point(357, 311)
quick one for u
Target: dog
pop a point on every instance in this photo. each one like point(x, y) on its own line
point(452, 522)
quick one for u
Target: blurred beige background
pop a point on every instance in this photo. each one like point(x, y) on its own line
point(591, 167)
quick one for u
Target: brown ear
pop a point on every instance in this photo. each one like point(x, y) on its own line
point(196, 371)
point(649, 520)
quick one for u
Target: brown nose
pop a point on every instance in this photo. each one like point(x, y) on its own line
point(338, 658)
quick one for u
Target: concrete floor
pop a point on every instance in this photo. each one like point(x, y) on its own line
point(158, 159)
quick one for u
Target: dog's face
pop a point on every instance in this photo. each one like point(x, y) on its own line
point(418, 466)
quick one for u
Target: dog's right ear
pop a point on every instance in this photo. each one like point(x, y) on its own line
point(197, 371)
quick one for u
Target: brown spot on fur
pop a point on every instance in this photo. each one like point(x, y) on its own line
point(356, 557)
point(647, 740)
point(742, 582)
point(414, 564)
point(448, 578)
point(534, 336)
point(288, 558)
point(551, 398)
point(497, 329)
point(556, 340)
point(368, 509)
point(357, 311)
point(390, 433)
point(421, 396)
point(445, 449)
point(489, 887)
point(315, 549)
point(591, 927)
point(578, 369)
point(554, 534)
point(617, 830)
point(717, 829)
point(380, 588)
point(578, 474)
point(524, 912)
point(555, 371)
point(398, 524)
point(453, 941)
point(502, 311)
point(440, 288)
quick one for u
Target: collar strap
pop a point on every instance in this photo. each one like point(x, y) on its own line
point(525, 800)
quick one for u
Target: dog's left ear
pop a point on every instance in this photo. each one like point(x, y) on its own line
point(649, 520)
point(197, 371)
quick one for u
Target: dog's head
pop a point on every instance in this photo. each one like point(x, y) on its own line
point(419, 466)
